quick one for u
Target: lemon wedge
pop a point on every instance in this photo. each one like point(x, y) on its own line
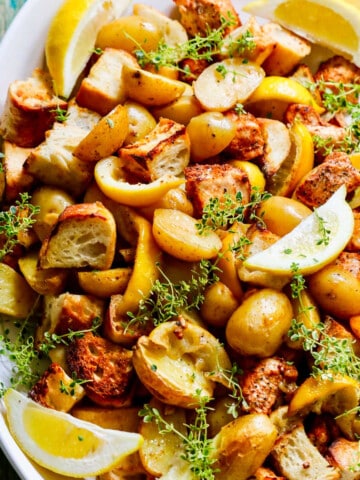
point(334, 24)
point(65, 444)
point(71, 38)
point(312, 244)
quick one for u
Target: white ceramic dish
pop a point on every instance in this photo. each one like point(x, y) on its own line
point(21, 50)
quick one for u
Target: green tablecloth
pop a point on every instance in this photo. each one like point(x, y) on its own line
point(8, 10)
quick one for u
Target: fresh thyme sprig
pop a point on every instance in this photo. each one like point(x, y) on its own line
point(237, 399)
point(61, 114)
point(339, 97)
point(220, 214)
point(14, 221)
point(324, 233)
point(197, 48)
point(69, 389)
point(331, 355)
point(167, 299)
point(22, 351)
point(198, 447)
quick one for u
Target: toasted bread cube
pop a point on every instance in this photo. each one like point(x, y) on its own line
point(30, 110)
point(296, 457)
point(53, 162)
point(84, 236)
point(104, 87)
point(57, 390)
point(165, 150)
point(81, 117)
point(289, 51)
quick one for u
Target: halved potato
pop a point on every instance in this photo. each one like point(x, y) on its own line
point(224, 84)
point(176, 362)
point(105, 283)
point(176, 233)
point(242, 445)
point(159, 452)
point(17, 297)
point(106, 137)
point(151, 89)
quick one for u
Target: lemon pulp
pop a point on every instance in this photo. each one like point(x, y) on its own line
point(308, 21)
point(45, 430)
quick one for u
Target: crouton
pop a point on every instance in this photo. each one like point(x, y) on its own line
point(84, 236)
point(322, 181)
point(266, 384)
point(55, 389)
point(289, 51)
point(30, 110)
point(81, 117)
point(68, 311)
point(248, 142)
point(17, 179)
point(200, 16)
point(104, 87)
point(107, 367)
point(263, 473)
point(165, 150)
point(204, 182)
point(296, 457)
point(53, 163)
point(277, 145)
point(261, 46)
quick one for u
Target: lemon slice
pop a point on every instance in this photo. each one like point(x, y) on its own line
point(65, 444)
point(334, 24)
point(314, 243)
point(297, 164)
point(71, 38)
point(275, 93)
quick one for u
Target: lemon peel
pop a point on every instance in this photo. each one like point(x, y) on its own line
point(110, 177)
point(71, 38)
point(65, 444)
point(334, 24)
point(312, 244)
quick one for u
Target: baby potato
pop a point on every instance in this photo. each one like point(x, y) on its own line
point(209, 134)
point(17, 297)
point(218, 305)
point(140, 121)
point(224, 84)
point(176, 233)
point(149, 88)
point(51, 201)
point(105, 283)
point(129, 33)
point(260, 324)
point(336, 287)
point(282, 214)
point(242, 445)
point(181, 110)
point(175, 198)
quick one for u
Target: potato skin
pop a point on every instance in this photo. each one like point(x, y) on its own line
point(242, 446)
point(336, 287)
point(259, 325)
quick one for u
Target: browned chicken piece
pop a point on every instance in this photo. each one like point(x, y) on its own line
point(344, 454)
point(350, 261)
point(338, 69)
point(354, 244)
point(322, 181)
point(204, 182)
point(249, 141)
point(30, 110)
point(314, 123)
point(191, 69)
point(266, 385)
point(322, 430)
point(55, 389)
point(304, 75)
point(263, 473)
point(198, 16)
point(107, 367)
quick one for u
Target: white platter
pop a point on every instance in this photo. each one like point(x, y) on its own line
point(21, 50)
